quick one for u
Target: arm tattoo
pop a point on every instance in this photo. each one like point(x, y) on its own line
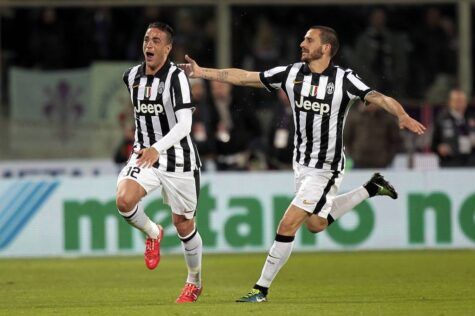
point(223, 75)
point(207, 74)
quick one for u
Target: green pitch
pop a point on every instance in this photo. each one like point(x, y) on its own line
point(350, 283)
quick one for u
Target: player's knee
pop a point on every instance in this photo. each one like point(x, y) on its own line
point(315, 229)
point(124, 203)
point(287, 227)
point(183, 226)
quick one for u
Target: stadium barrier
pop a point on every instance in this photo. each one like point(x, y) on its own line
point(238, 212)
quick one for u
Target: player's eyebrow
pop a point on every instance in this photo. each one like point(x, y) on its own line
point(155, 38)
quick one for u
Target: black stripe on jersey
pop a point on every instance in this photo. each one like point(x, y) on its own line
point(186, 154)
point(135, 90)
point(323, 199)
point(265, 81)
point(309, 133)
point(325, 127)
point(297, 92)
point(148, 118)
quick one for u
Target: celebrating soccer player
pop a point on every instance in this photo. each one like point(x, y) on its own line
point(164, 155)
point(320, 94)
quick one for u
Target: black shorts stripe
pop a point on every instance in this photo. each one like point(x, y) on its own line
point(323, 198)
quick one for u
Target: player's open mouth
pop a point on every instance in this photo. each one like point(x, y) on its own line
point(149, 55)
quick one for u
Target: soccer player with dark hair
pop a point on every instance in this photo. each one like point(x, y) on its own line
point(320, 94)
point(164, 155)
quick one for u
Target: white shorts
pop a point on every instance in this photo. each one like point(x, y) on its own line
point(315, 189)
point(180, 190)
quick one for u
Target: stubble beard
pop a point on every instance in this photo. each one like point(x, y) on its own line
point(315, 56)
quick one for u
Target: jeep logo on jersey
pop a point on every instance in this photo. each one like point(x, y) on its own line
point(149, 108)
point(317, 107)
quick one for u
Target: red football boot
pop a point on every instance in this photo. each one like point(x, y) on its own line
point(152, 250)
point(189, 294)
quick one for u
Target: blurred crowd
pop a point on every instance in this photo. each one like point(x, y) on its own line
point(409, 52)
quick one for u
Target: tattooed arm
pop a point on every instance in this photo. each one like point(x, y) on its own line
point(233, 76)
point(395, 108)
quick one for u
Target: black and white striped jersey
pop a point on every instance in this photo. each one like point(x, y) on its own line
point(156, 98)
point(320, 104)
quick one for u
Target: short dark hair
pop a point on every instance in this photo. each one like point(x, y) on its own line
point(164, 28)
point(328, 36)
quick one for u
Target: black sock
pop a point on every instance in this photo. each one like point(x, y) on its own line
point(371, 188)
point(330, 219)
point(264, 290)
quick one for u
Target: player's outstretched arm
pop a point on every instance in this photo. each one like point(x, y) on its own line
point(235, 76)
point(395, 108)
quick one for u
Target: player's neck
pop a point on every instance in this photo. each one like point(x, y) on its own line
point(319, 65)
point(152, 70)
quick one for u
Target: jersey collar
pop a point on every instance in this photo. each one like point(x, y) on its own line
point(166, 66)
point(326, 72)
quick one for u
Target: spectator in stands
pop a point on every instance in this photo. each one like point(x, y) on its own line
point(381, 56)
point(265, 53)
point(237, 130)
point(46, 42)
point(371, 137)
point(453, 137)
point(281, 136)
point(433, 57)
point(204, 123)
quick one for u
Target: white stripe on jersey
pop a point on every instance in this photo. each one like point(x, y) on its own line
point(131, 78)
point(322, 87)
point(306, 84)
point(185, 90)
point(357, 82)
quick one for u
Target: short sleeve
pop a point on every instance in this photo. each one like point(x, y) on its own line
point(181, 90)
point(273, 78)
point(355, 87)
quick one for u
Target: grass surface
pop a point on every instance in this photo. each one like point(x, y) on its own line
point(351, 283)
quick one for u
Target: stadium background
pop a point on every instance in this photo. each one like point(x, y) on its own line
point(64, 109)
